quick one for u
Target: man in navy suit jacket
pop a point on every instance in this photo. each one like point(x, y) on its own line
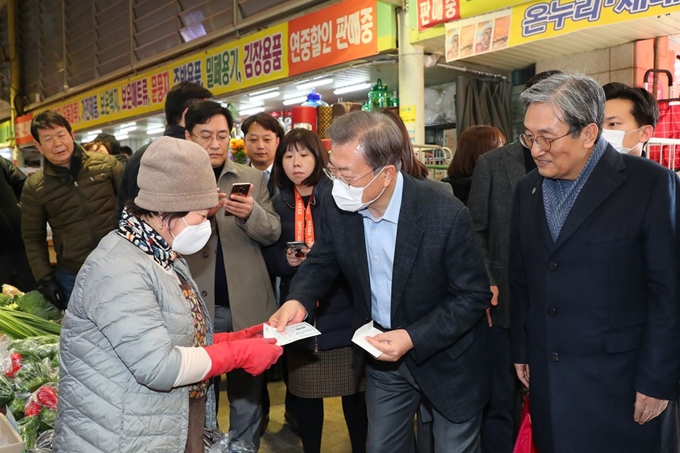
point(594, 278)
point(410, 255)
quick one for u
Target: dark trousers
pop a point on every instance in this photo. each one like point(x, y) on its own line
point(309, 415)
point(502, 411)
point(392, 399)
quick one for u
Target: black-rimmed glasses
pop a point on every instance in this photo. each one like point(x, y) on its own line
point(543, 143)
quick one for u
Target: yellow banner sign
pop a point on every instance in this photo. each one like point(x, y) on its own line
point(247, 62)
point(469, 8)
point(542, 20)
point(547, 19)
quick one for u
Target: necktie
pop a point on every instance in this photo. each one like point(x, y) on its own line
point(266, 176)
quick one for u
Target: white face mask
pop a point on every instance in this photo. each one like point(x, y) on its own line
point(349, 198)
point(615, 138)
point(192, 238)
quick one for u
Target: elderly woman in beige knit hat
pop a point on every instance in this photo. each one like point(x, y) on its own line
point(137, 348)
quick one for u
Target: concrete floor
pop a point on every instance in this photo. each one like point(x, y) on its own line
point(280, 439)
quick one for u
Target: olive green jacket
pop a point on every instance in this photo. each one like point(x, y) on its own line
point(80, 210)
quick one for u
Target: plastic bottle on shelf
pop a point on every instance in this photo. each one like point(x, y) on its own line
point(394, 102)
point(314, 99)
point(379, 96)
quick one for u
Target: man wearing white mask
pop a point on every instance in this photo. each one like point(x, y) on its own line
point(409, 252)
point(630, 116)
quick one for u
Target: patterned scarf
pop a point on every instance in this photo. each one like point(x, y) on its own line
point(560, 195)
point(146, 238)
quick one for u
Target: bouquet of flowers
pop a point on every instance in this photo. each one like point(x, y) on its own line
point(238, 151)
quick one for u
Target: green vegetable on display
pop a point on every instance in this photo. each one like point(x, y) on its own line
point(48, 417)
point(6, 299)
point(17, 324)
point(28, 430)
point(6, 390)
point(17, 407)
point(34, 302)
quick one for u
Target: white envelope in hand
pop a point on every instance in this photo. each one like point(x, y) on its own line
point(359, 338)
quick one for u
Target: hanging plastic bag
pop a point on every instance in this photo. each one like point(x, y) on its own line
point(229, 445)
point(525, 441)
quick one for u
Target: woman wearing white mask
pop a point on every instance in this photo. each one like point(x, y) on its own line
point(137, 348)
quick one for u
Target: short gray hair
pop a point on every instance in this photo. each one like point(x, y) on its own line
point(379, 137)
point(576, 99)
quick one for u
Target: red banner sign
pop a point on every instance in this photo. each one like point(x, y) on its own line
point(22, 129)
point(435, 12)
point(337, 34)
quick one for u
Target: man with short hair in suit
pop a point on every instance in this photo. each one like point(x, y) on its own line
point(594, 279)
point(490, 203)
point(409, 253)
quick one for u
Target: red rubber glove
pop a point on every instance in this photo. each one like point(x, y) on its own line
point(245, 334)
point(254, 356)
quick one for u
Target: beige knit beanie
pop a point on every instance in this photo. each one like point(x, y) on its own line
point(175, 176)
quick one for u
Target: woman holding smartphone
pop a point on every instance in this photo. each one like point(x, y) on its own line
point(323, 366)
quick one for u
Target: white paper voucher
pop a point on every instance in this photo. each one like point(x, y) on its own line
point(293, 333)
point(359, 338)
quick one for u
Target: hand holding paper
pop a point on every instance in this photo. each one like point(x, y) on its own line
point(359, 338)
point(393, 344)
point(291, 333)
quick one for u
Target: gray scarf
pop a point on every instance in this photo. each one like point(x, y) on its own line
point(559, 195)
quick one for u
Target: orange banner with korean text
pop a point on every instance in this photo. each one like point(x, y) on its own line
point(337, 34)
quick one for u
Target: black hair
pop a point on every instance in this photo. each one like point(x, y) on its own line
point(265, 120)
point(540, 77)
point(180, 97)
point(296, 139)
point(645, 108)
point(126, 150)
point(202, 111)
point(112, 141)
point(49, 119)
point(136, 211)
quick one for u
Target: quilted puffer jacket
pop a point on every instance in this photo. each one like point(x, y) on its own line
point(118, 362)
point(80, 210)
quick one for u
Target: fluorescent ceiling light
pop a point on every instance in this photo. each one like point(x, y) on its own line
point(257, 93)
point(352, 88)
point(128, 124)
point(297, 100)
point(262, 97)
point(128, 129)
point(314, 83)
point(155, 130)
point(94, 132)
point(252, 111)
point(122, 137)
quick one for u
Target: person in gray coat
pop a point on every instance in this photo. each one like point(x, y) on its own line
point(137, 347)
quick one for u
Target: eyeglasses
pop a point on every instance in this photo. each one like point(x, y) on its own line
point(330, 172)
point(543, 143)
point(206, 140)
